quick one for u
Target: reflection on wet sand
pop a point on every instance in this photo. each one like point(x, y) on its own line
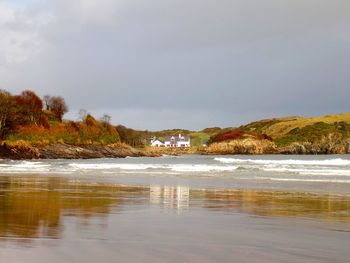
point(35, 206)
point(266, 203)
point(172, 197)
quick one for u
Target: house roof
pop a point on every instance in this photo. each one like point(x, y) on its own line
point(156, 141)
point(177, 139)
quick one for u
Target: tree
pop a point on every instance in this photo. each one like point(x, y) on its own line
point(28, 108)
point(106, 119)
point(46, 100)
point(58, 107)
point(82, 114)
point(6, 104)
point(91, 121)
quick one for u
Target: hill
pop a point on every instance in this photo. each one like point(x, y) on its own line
point(302, 129)
point(278, 127)
point(295, 134)
point(31, 128)
point(29, 122)
point(290, 135)
point(27, 117)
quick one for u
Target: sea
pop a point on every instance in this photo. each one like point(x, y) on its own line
point(192, 208)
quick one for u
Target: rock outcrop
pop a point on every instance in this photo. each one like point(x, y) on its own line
point(312, 148)
point(23, 150)
point(242, 146)
point(65, 151)
point(255, 146)
point(20, 150)
point(331, 144)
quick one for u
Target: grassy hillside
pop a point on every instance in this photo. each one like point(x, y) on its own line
point(315, 132)
point(284, 131)
point(279, 127)
point(281, 131)
point(199, 138)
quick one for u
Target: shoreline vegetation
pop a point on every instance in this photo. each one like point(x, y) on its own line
point(34, 128)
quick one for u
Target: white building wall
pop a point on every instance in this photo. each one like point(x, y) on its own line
point(183, 144)
point(157, 143)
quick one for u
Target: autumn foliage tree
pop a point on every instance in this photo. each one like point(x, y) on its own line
point(6, 103)
point(58, 107)
point(133, 137)
point(24, 118)
point(28, 108)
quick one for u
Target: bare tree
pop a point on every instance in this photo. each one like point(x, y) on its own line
point(46, 100)
point(82, 114)
point(106, 119)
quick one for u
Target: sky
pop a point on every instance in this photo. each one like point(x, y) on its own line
point(190, 64)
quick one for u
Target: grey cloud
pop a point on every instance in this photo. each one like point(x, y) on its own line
point(183, 63)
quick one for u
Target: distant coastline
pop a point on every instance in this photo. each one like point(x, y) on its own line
point(24, 151)
point(34, 128)
point(65, 151)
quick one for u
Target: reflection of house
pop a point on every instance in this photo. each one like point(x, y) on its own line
point(177, 141)
point(170, 197)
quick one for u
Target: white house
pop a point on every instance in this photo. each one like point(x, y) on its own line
point(177, 141)
point(156, 143)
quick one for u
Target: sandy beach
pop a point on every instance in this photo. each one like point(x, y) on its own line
point(111, 211)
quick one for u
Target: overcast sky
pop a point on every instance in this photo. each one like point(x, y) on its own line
point(159, 64)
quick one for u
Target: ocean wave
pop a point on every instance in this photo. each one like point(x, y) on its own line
point(24, 167)
point(316, 171)
point(28, 167)
point(202, 168)
point(109, 166)
point(172, 167)
point(328, 162)
point(228, 166)
point(305, 180)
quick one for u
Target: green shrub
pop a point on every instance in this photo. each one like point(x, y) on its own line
point(313, 133)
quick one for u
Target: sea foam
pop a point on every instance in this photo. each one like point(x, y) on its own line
point(328, 162)
point(171, 167)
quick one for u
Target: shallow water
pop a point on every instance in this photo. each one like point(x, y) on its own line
point(176, 209)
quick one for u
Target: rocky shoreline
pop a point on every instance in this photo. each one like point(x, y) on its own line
point(65, 151)
point(254, 146)
point(21, 151)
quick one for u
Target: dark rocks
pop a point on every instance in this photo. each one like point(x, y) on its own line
point(23, 150)
point(254, 146)
point(18, 151)
point(65, 151)
point(315, 148)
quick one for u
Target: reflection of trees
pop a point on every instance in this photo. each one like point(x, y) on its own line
point(263, 203)
point(267, 203)
point(34, 206)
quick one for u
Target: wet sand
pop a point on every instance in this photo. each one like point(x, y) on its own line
point(63, 219)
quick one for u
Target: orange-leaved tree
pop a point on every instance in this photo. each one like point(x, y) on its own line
point(6, 104)
point(58, 107)
point(28, 108)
